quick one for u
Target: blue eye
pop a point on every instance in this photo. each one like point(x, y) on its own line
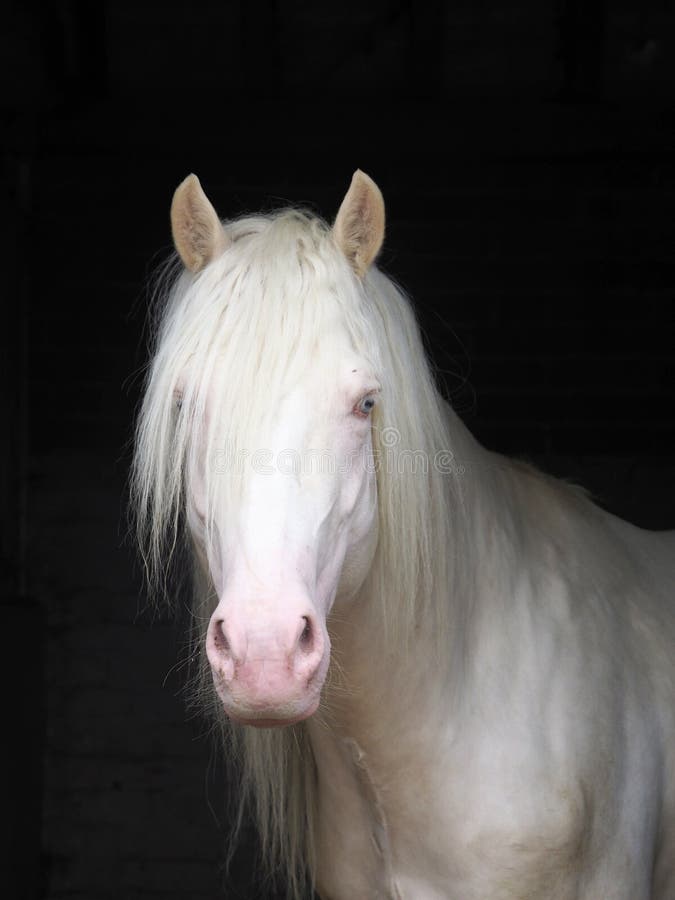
point(365, 405)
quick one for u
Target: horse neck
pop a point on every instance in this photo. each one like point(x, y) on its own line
point(407, 673)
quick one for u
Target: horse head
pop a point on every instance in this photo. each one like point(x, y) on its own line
point(279, 486)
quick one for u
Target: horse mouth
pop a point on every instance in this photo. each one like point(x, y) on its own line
point(266, 719)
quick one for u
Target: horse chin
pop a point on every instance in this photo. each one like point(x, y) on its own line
point(267, 719)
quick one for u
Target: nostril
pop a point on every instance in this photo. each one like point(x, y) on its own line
point(309, 646)
point(219, 638)
point(306, 640)
point(218, 650)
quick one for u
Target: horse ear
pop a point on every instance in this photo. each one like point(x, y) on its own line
point(197, 233)
point(359, 224)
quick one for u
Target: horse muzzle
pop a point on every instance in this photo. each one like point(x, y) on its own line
point(268, 670)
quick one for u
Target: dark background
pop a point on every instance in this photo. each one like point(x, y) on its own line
point(525, 152)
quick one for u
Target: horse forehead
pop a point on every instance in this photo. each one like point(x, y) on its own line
point(312, 406)
point(295, 416)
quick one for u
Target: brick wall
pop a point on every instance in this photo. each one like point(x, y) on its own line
point(121, 771)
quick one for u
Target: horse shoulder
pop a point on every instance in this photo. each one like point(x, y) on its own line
point(521, 822)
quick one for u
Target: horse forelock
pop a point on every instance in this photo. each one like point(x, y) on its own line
point(240, 331)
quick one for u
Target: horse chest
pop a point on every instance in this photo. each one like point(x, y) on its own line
point(457, 842)
point(352, 840)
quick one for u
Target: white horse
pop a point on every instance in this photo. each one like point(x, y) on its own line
point(473, 665)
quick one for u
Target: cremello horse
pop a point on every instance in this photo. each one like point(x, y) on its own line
point(445, 674)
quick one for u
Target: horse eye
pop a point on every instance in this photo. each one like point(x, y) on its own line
point(178, 402)
point(365, 405)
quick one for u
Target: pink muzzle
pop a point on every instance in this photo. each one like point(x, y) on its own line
point(268, 671)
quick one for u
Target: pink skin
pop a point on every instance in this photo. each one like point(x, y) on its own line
point(297, 544)
point(269, 677)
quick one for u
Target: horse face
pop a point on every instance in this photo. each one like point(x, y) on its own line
point(303, 530)
point(301, 537)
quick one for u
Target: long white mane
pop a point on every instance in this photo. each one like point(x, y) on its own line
point(244, 329)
